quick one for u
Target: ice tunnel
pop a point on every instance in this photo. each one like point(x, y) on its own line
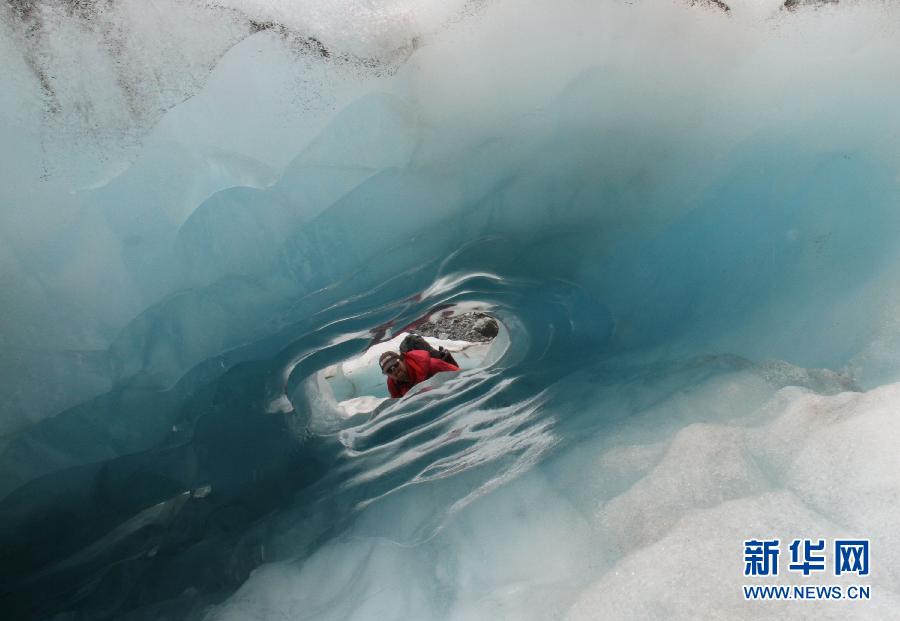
point(683, 215)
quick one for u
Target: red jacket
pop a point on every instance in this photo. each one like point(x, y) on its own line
point(420, 366)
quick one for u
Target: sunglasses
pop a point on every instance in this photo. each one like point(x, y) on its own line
point(391, 368)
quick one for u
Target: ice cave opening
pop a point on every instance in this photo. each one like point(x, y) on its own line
point(472, 337)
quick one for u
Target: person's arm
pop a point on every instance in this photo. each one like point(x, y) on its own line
point(393, 389)
point(438, 365)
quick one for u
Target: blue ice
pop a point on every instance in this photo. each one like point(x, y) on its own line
point(685, 218)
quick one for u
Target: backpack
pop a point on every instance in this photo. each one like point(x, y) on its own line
point(414, 341)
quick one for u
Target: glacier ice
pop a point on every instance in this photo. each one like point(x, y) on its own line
point(685, 218)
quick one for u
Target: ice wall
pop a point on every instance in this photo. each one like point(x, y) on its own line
point(684, 215)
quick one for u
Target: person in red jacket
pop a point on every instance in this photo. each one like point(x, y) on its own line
point(406, 370)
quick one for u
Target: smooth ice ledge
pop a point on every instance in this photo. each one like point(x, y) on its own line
point(652, 531)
